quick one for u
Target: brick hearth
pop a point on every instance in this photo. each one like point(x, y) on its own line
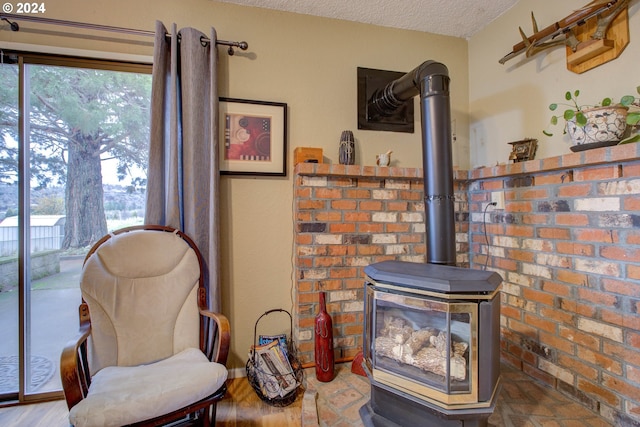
point(567, 245)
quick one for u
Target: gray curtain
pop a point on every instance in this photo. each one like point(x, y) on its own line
point(183, 175)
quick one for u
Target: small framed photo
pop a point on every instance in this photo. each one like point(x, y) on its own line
point(253, 137)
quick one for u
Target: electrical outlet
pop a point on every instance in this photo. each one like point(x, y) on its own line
point(497, 197)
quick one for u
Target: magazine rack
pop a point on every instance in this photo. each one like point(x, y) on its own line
point(267, 384)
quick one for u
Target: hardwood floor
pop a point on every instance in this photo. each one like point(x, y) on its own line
point(240, 408)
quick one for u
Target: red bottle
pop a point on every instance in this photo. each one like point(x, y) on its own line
point(324, 343)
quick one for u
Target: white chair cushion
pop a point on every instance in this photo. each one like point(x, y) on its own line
point(124, 395)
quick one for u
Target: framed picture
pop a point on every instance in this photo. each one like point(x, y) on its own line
point(253, 137)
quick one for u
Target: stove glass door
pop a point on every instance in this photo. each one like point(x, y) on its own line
point(426, 341)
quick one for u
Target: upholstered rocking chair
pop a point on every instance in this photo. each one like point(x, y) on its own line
point(148, 352)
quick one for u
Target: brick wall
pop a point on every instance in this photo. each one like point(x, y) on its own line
point(567, 245)
point(347, 217)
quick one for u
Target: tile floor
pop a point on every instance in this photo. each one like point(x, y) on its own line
point(523, 402)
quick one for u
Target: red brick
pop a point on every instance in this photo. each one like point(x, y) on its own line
point(328, 261)
point(572, 277)
point(411, 195)
point(624, 287)
point(357, 216)
point(410, 238)
point(344, 204)
point(518, 207)
point(596, 297)
point(492, 185)
point(341, 273)
point(551, 178)
point(328, 193)
point(599, 392)
point(370, 227)
point(505, 264)
point(357, 193)
point(596, 173)
point(633, 238)
point(573, 335)
point(539, 323)
point(625, 254)
point(551, 163)
point(311, 204)
point(536, 193)
point(554, 341)
point(631, 204)
point(397, 227)
point(342, 318)
point(633, 272)
point(353, 330)
point(586, 310)
point(519, 230)
point(304, 239)
point(600, 360)
point(396, 206)
point(558, 316)
point(370, 250)
point(621, 351)
point(625, 320)
point(535, 295)
point(535, 218)
point(303, 216)
point(574, 190)
point(595, 235)
point(556, 288)
point(631, 169)
point(512, 312)
point(576, 220)
point(574, 248)
point(370, 205)
point(576, 366)
point(303, 192)
point(341, 228)
point(620, 385)
point(369, 183)
point(554, 233)
point(520, 255)
point(327, 216)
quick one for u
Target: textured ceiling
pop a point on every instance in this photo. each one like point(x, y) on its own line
point(459, 18)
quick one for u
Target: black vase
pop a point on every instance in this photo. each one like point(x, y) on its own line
point(347, 150)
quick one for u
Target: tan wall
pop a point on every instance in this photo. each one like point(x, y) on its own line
point(510, 102)
point(309, 63)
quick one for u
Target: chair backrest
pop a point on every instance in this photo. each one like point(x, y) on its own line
point(141, 285)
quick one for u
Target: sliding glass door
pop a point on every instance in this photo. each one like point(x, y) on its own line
point(73, 152)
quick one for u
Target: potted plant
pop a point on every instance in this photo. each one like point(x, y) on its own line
point(592, 126)
point(633, 118)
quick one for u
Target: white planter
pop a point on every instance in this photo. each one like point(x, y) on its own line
point(605, 126)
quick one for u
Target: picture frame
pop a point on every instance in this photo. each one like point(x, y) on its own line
point(253, 137)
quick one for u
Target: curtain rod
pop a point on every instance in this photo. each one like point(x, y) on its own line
point(11, 18)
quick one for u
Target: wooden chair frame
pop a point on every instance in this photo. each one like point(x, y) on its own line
point(214, 342)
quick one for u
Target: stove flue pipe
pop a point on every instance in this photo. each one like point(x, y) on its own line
point(431, 81)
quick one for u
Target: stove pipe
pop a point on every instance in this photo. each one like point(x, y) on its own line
point(431, 81)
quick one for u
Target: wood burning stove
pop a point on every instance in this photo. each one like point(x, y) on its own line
point(432, 331)
point(431, 343)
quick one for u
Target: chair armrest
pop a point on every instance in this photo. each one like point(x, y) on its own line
point(74, 367)
point(219, 352)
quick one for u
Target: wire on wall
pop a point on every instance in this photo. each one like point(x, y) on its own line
point(486, 238)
